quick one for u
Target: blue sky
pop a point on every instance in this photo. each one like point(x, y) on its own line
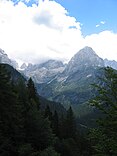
point(37, 30)
point(91, 12)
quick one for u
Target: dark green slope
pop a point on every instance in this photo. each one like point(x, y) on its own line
point(53, 106)
point(14, 74)
point(16, 77)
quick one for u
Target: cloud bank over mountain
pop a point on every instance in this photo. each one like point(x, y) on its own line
point(40, 32)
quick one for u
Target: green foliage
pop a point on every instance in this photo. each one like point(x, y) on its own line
point(25, 150)
point(55, 123)
point(70, 142)
point(68, 147)
point(49, 152)
point(26, 131)
point(32, 93)
point(10, 116)
point(38, 131)
point(104, 138)
point(70, 124)
point(48, 113)
point(23, 129)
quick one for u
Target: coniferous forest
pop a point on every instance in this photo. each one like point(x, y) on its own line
point(26, 130)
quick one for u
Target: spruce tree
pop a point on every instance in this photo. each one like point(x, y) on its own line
point(70, 124)
point(32, 93)
point(55, 123)
point(104, 138)
point(38, 131)
point(10, 116)
point(48, 113)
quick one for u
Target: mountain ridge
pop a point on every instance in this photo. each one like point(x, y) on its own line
point(84, 58)
point(17, 77)
point(68, 84)
point(5, 59)
point(73, 85)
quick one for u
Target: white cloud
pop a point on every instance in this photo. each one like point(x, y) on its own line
point(102, 22)
point(97, 25)
point(34, 34)
point(31, 33)
point(104, 43)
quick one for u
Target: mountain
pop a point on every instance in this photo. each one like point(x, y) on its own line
point(16, 77)
point(109, 63)
point(14, 74)
point(73, 85)
point(45, 72)
point(5, 59)
point(69, 84)
point(23, 66)
point(84, 59)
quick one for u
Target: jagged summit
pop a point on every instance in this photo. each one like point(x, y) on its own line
point(88, 51)
point(2, 52)
point(110, 63)
point(23, 66)
point(52, 64)
point(85, 54)
point(84, 58)
point(5, 59)
point(44, 72)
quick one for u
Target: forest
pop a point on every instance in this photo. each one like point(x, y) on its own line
point(26, 130)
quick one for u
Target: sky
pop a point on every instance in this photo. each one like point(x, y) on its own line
point(34, 31)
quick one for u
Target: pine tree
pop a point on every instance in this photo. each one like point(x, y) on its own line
point(23, 129)
point(104, 138)
point(70, 124)
point(49, 152)
point(38, 131)
point(10, 116)
point(48, 113)
point(55, 123)
point(32, 93)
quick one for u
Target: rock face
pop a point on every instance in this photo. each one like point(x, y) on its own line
point(4, 59)
point(73, 85)
point(109, 63)
point(45, 72)
point(52, 64)
point(67, 84)
point(23, 66)
point(85, 58)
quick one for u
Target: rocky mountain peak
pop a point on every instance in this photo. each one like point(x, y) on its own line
point(110, 63)
point(23, 66)
point(2, 52)
point(84, 58)
point(44, 72)
point(52, 64)
point(86, 52)
point(5, 59)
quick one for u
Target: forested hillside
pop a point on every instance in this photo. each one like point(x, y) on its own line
point(25, 130)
